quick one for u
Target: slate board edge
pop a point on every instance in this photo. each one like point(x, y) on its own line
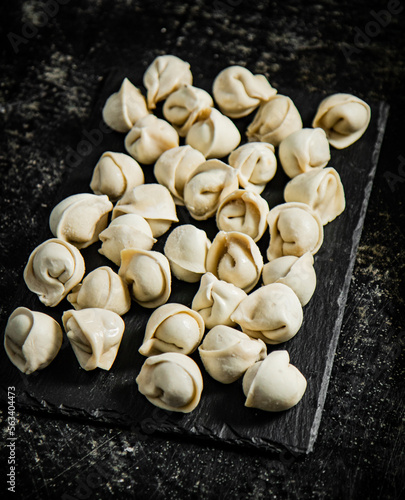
point(382, 120)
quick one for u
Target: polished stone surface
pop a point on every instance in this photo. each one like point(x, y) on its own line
point(49, 84)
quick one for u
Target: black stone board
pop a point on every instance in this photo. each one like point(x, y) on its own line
point(63, 388)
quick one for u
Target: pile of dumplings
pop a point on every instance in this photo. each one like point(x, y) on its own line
point(242, 304)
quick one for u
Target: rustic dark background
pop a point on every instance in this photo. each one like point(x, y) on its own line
point(54, 55)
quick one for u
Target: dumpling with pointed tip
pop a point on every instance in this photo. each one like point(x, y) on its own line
point(32, 339)
point(115, 174)
point(214, 134)
point(123, 108)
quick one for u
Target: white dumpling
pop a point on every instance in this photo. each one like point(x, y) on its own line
point(123, 108)
point(272, 313)
point(153, 202)
point(256, 164)
point(304, 150)
point(186, 250)
point(227, 353)
point(115, 174)
point(321, 189)
point(31, 339)
point(80, 218)
point(149, 138)
point(215, 135)
point(274, 121)
point(172, 328)
point(102, 288)
point(207, 186)
point(171, 381)
point(234, 257)
point(185, 106)
point(53, 269)
point(238, 92)
point(216, 300)
point(174, 167)
point(274, 384)
point(147, 273)
point(95, 336)
point(165, 75)
point(245, 212)
point(126, 231)
point(296, 272)
point(344, 117)
point(294, 230)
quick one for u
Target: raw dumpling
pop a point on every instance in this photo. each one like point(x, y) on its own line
point(80, 218)
point(272, 313)
point(102, 288)
point(174, 167)
point(227, 353)
point(215, 135)
point(185, 106)
point(238, 92)
point(321, 189)
point(125, 107)
point(147, 273)
point(216, 300)
point(172, 328)
point(31, 339)
point(344, 117)
point(294, 230)
point(296, 272)
point(207, 186)
point(151, 201)
point(304, 150)
point(245, 212)
point(126, 231)
point(274, 384)
point(171, 381)
point(149, 138)
point(274, 121)
point(53, 269)
point(95, 336)
point(186, 250)
point(256, 164)
point(234, 257)
point(165, 75)
point(115, 174)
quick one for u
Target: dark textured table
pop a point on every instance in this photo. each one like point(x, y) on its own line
point(54, 56)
